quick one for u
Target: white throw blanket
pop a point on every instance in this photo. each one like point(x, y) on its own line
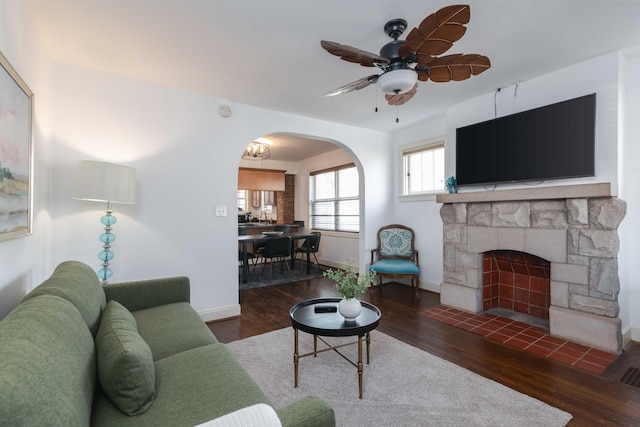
point(259, 415)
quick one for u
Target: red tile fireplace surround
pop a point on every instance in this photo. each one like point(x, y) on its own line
point(517, 282)
point(574, 229)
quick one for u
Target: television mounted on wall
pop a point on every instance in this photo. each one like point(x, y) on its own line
point(556, 141)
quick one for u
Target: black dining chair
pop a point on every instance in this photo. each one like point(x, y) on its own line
point(250, 256)
point(277, 249)
point(310, 245)
point(259, 247)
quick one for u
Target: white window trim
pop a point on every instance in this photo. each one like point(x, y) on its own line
point(438, 141)
point(337, 166)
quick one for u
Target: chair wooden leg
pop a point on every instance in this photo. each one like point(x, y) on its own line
point(415, 281)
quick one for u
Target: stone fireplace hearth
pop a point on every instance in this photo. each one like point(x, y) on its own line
point(574, 228)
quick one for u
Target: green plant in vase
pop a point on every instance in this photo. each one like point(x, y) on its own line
point(351, 285)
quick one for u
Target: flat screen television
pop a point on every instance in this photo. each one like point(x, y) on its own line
point(551, 142)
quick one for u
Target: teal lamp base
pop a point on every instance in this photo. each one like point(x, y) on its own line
point(106, 255)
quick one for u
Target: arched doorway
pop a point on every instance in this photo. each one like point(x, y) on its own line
point(296, 156)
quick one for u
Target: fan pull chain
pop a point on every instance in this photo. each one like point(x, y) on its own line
point(376, 110)
point(397, 119)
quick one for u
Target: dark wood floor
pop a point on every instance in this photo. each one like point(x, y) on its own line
point(591, 399)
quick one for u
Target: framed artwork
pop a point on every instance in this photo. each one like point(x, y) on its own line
point(16, 154)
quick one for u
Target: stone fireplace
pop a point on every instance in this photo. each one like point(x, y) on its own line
point(573, 228)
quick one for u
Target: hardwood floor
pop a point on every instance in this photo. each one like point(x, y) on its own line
point(591, 399)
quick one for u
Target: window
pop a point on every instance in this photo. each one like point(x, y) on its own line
point(423, 169)
point(242, 200)
point(334, 199)
point(250, 200)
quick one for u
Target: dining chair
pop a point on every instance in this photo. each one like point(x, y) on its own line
point(396, 257)
point(277, 249)
point(311, 245)
point(250, 256)
point(258, 248)
point(251, 252)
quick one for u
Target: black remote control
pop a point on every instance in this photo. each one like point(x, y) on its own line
point(325, 309)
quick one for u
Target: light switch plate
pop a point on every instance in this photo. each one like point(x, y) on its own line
point(221, 211)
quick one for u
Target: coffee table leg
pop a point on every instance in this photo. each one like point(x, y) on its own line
point(315, 346)
point(360, 364)
point(368, 346)
point(295, 357)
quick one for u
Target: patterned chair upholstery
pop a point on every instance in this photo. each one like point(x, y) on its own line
point(395, 257)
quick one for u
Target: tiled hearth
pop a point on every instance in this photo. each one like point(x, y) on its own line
point(526, 337)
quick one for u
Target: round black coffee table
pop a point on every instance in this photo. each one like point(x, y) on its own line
point(320, 318)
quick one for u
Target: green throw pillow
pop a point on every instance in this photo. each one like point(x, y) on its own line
point(125, 365)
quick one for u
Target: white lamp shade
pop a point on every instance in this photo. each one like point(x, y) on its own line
point(397, 81)
point(105, 182)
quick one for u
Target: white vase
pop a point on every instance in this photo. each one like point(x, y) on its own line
point(349, 308)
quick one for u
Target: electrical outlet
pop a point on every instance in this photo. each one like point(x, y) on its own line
point(221, 211)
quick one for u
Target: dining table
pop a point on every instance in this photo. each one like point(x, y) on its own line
point(247, 239)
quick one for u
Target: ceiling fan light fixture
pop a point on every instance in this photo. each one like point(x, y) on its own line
point(395, 82)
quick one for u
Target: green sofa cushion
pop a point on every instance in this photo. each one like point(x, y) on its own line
point(194, 386)
point(172, 328)
point(125, 364)
point(142, 294)
point(77, 283)
point(47, 365)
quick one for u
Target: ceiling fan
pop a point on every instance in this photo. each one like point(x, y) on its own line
point(403, 62)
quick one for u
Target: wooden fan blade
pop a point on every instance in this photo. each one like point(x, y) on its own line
point(422, 59)
point(353, 54)
point(356, 85)
point(438, 31)
point(456, 67)
point(401, 98)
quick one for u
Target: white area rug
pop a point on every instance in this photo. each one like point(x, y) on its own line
point(403, 385)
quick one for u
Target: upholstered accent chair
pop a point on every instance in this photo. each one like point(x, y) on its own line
point(396, 257)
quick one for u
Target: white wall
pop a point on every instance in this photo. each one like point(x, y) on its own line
point(421, 215)
point(24, 261)
point(186, 157)
point(629, 267)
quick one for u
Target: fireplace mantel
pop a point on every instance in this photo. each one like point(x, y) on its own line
point(539, 193)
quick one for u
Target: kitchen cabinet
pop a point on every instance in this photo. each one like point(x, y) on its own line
point(255, 199)
point(261, 179)
point(269, 198)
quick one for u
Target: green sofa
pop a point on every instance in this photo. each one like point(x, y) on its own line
point(67, 354)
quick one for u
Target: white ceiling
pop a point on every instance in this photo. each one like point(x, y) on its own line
point(268, 54)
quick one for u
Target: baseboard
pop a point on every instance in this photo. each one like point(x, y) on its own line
point(329, 263)
point(220, 313)
point(629, 334)
point(432, 287)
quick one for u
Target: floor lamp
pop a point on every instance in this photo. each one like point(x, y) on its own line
point(111, 183)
